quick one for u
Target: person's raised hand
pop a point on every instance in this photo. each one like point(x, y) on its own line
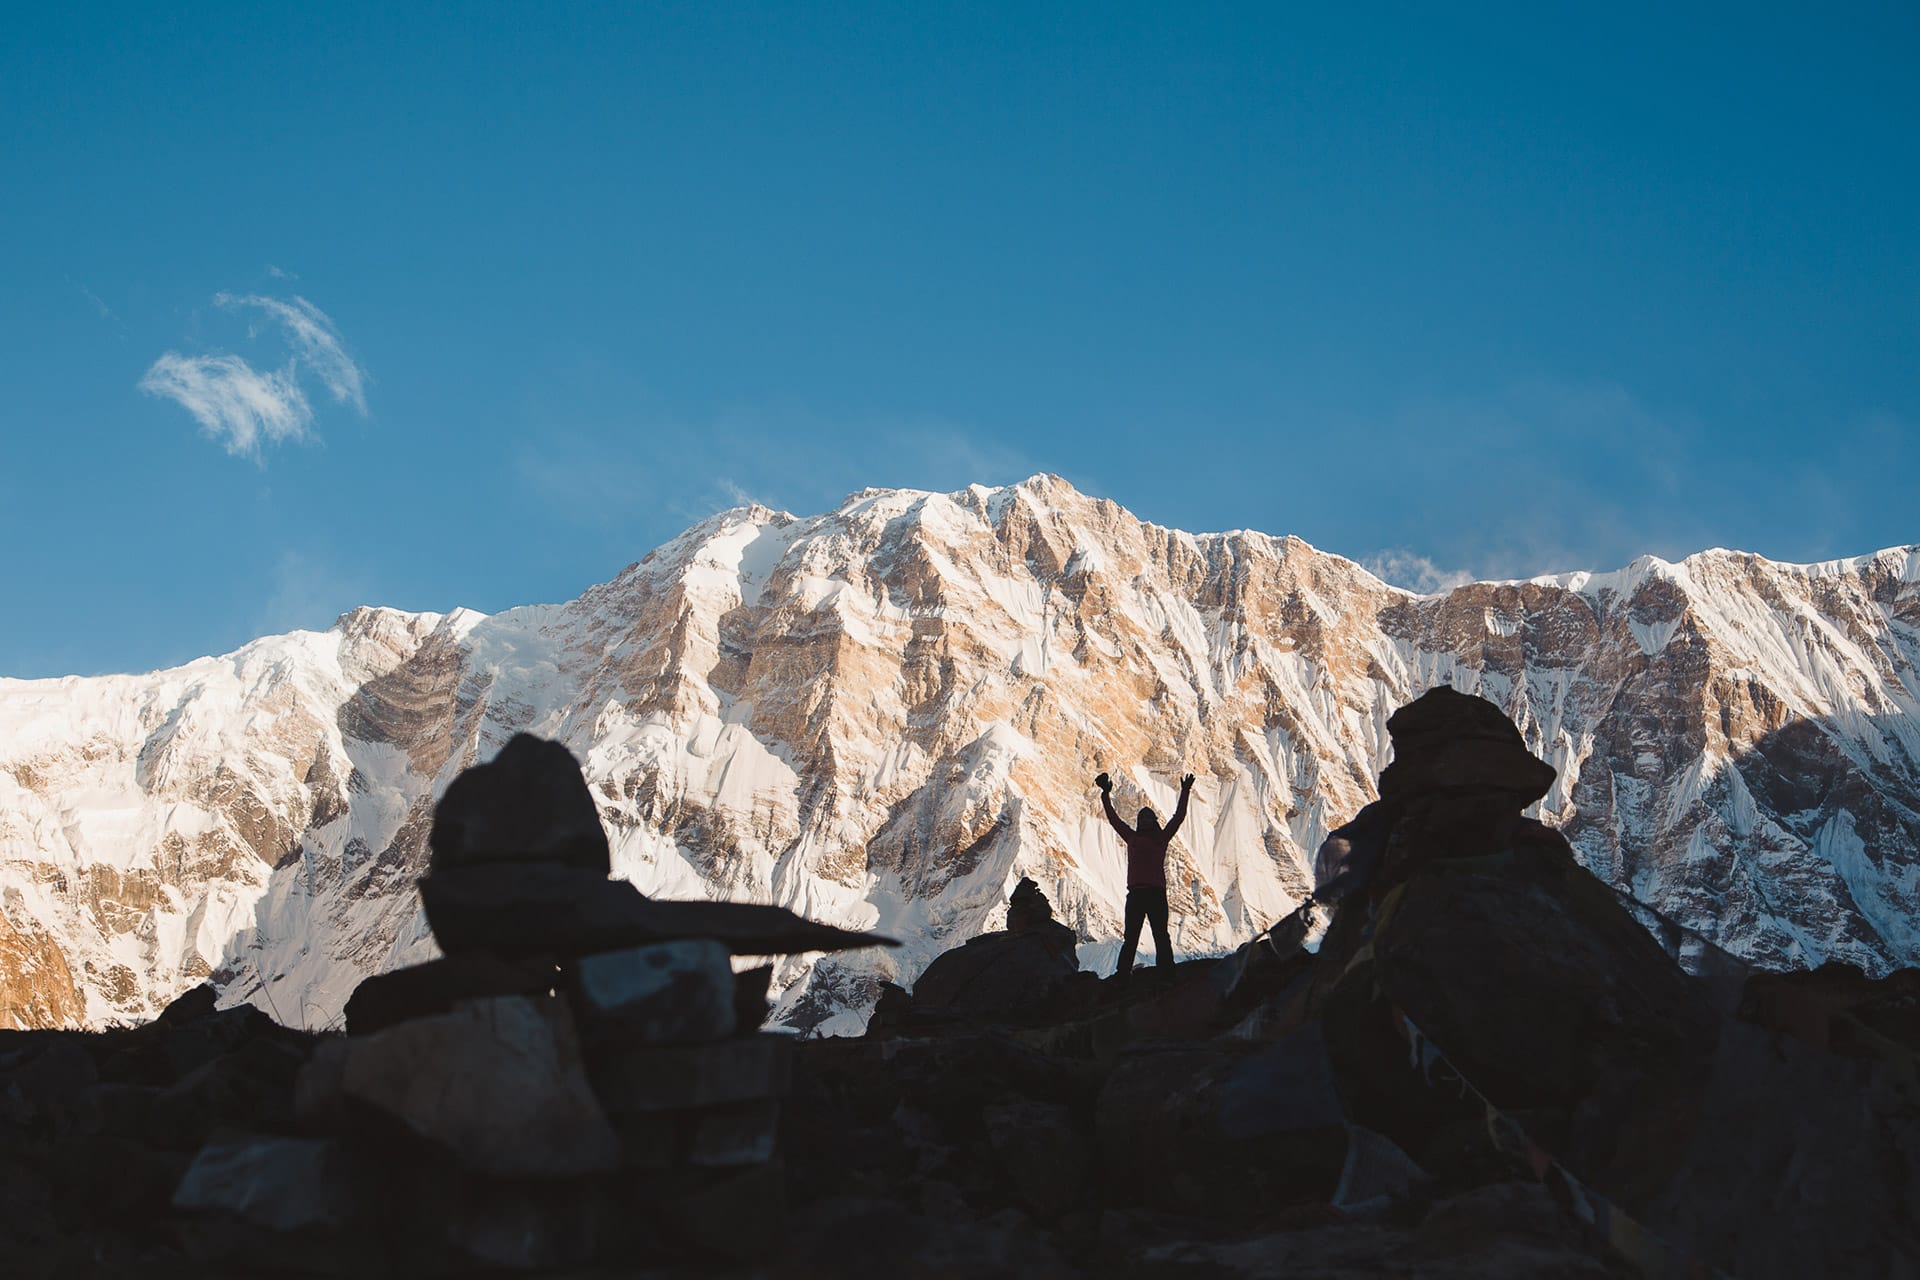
point(1186, 783)
point(1103, 782)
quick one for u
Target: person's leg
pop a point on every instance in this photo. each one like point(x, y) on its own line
point(1136, 916)
point(1156, 910)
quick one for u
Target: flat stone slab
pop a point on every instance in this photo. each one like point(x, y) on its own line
point(664, 992)
point(548, 908)
point(388, 999)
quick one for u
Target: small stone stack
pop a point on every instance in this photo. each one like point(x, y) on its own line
point(1027, 908)
point(581, 1077)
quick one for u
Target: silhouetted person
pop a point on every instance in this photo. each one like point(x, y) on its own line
point(1146, 872)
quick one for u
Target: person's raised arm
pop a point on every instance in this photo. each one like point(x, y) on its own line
point(1180, 810)
point(1106, 802)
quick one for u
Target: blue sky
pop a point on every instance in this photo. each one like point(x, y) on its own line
point(483, 302)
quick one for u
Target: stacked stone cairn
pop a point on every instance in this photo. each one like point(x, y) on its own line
point(580, 1078)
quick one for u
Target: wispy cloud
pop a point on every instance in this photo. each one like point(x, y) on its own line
point(307, 591)
point(1404, 568)
point(316, 342)
point(234, 403)
point(1535, 477)
point(655, 473)
point(99, 306)
point(244, 408)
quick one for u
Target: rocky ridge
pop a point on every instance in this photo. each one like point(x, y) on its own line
point(885, 716)
point(1487, 1068)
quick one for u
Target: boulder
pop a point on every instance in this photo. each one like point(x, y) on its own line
point(1041, 1152)
point(669, 991)
point(1446, 740)
point(525, 1227)
point(497, 1082)
point(550, 909)
point(1182, 1005)
point(892, 1011)
point(1265, 965)
point(1230, 1131)
point(281, 1184)
point(192, 1042)
point(1346, 859)
point(1509, 1231)
point(651, 1140)
point(996, 973)
point(191, 1005)
point(115, 1175)
point(1837, 1007)
point(320, 1090)
point(937, 1238)
point(739, 1133)
point(1376, 1175)
point(54, 1090)
point(530, 802)
point(250, 1088)
point(740, 1215)
point(1802, 1163)
point(1549, 998)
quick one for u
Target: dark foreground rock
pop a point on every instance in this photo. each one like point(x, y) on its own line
point(1487, 1069)
point(994, 974)
point(530, 803)
point(500, 1084)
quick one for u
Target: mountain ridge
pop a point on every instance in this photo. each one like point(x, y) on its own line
point(883, 714)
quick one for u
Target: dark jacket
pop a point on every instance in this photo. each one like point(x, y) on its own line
point(1146, 850)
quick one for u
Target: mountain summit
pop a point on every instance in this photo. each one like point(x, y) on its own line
point(885, 716)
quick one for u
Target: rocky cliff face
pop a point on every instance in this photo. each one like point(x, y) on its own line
point(884, 716)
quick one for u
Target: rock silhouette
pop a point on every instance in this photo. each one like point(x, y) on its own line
point(528, 804)
point(1489, 1066)
point(996, 975)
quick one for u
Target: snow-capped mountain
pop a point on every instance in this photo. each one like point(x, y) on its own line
point(885, 715)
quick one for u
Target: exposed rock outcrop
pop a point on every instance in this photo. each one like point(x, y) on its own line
point(36, 987)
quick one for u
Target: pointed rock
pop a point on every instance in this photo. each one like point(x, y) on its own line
point(529, 802)
point(1448, 741)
